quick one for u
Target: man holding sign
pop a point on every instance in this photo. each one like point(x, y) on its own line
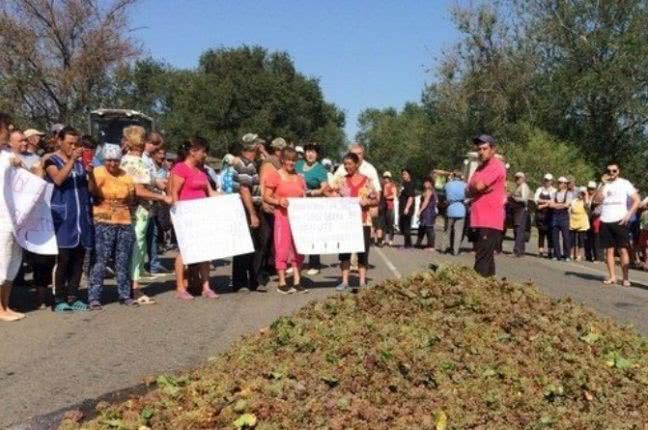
point(354, 184)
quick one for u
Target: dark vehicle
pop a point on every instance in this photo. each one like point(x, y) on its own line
point(107, 125)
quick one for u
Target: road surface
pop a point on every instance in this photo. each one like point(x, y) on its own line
point(50, 362)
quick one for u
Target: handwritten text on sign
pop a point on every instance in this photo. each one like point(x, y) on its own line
point(211, 228)
point(37, 233)
point(326, 225)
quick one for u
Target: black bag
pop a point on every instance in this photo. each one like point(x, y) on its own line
point(163, 216)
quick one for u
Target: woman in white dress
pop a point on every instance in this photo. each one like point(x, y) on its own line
point(10, 252)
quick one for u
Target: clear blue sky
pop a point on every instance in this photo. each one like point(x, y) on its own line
point(365, 53)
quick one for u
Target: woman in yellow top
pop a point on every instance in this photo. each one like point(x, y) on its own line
point(579, 223)
point(114, 193)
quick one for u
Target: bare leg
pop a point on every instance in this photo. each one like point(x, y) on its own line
point(362, 272)
point(204, 275)
point(625, 262)
point(282, 277)
point(180, 275)
point(345, 266)
point(6, 313)
point(609, 261)
point(296, 274)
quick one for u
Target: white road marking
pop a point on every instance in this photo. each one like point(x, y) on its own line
point(389, 264)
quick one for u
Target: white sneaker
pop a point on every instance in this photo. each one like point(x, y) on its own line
point(312, 272)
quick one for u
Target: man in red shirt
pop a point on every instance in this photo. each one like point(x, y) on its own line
point(487, 189)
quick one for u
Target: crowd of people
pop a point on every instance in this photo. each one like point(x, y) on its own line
point(110, 209)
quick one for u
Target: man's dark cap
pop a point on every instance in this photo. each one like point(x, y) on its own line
point(484, 138)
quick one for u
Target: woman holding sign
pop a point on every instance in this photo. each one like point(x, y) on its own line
point(189, 181)
point(357, 185)
point(283, 184)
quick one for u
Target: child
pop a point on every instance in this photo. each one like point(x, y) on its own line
point(578, 224)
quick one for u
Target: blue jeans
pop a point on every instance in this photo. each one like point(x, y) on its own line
point(561, 228)
point(111, 238)
point(153, 264)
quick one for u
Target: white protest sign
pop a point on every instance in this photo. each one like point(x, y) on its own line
point(21, 191)
point(326, 225)
point(211, 228)
point(37, 233)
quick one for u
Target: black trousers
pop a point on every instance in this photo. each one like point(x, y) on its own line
point(428, 232)
point(593, 246)
point(487, 241)
point(244, 274)
point(561, 228)
point(67, 272)
point(405, 225)
point(264, 246)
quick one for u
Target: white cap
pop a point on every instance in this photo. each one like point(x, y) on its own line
point(582, 190)
point(562, 179)
point(520, 175)
point(591, 184)
point(299, 149)
point(548, 177)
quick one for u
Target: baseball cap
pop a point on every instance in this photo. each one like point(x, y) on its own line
point(582, 189)
point(56, 128)
point(548, 177)
point(326, 162)
point(33, 132)
point(387, 174)
point(591, 184)
point(299, 149)
point(278, 143)
point(562, 179)
point(520, 175)
point(250, 141)
point(484, 138)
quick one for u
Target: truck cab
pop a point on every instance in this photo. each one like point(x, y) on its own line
point(107, 125)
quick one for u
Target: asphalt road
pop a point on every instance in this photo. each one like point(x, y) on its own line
point(50, 362)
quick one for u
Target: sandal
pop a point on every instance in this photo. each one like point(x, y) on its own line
point(62, 307)
point(209, 294)
point(144, 300)
point(129, 302)
point(79, 306)
point(95, 305)
point(626, 283)
point(609, 281)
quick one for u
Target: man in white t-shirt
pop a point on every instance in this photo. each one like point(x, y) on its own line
point(619, 201)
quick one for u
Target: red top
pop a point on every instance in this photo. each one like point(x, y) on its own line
point(195, 185)
point(487, 208)
point(285, 188)
point(389, 193)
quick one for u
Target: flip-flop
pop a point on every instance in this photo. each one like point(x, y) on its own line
point(63, 307)
point(626, 283)
point(610, 281)
point(145, 300)
point(79, 306)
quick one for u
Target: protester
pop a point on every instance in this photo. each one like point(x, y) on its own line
point(189, 182)
point(487, 189)
point(543, 197)
point(300, 152)
point(114, 194)
point(10, 251)
point(279, 187)
point(427, 215)
point(578, 224)
point(316, 178)
point(560, 220)
point(386, 211)
point(227, 175)
point(355, 184)
point(29, 157)
point(153, 143)
point(614, 195)
point(592, 242)
point(71, 215)
point(246, 180)
point(519, 202)
point(263, 251)
point(134, 165)
point(455, 195)
point(406, 207)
